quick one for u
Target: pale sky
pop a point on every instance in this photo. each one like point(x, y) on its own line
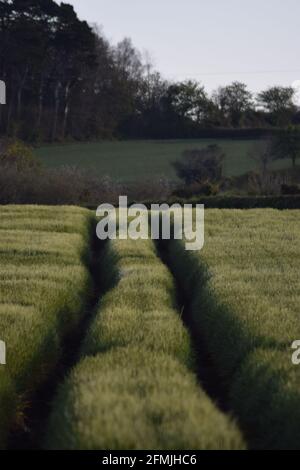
point(213, 41)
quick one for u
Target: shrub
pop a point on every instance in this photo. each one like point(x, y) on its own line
point(23, 180)
point(62, 186)
point(19, 155)
point(289, 190)
point(269, 183)
point(200, 165)
point(203, 189)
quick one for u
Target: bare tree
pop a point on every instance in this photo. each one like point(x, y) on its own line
point(262, 153)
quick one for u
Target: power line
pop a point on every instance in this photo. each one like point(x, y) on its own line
point(256, 72)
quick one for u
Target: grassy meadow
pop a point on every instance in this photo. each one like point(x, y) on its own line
point(128, 161)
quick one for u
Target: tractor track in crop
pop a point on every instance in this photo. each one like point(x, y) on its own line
point(205, 370)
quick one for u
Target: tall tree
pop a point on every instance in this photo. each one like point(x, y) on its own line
point(287, 145)
point(74, 53)
point(64, 80)
point(189, 100)
point(278, 102)
point(233, 101)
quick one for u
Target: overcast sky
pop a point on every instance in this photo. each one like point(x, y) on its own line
point(213, 41)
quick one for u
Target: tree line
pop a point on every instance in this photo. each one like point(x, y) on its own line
point(66, 81)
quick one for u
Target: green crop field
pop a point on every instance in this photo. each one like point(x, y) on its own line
point(142, 160)
point(244, 296)
point(44, 286)
point(134, 388)
point(162, 316)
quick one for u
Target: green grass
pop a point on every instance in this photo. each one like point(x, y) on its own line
point(141, 160)
point(44, 285)
point(134, 387)
point(244, 304)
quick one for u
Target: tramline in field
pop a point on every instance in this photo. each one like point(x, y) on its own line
point(134, 384)
point(134, 387)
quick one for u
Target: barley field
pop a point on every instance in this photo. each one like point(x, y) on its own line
point(44, 285)
point(160, 315)
point(244, 296)
point(134, 387)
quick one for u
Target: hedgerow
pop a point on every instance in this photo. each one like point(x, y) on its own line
point(243, 296)
point(235, 202)
point(134, 387)
point(44, 287)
